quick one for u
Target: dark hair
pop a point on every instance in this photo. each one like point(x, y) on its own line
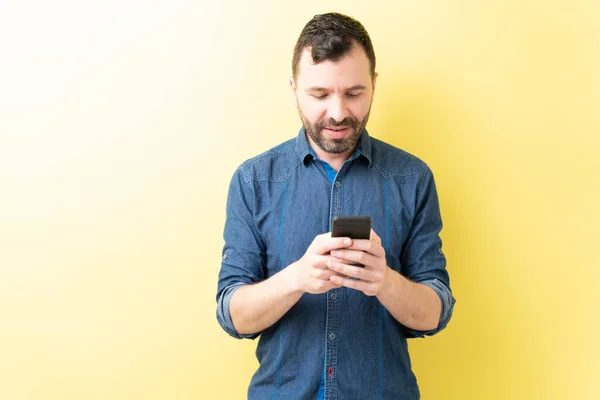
point(331, 36)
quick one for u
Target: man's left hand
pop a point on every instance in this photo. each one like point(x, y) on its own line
point(371, 277)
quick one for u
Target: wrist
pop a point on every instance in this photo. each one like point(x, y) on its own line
point(389, 282)
point(291, 278)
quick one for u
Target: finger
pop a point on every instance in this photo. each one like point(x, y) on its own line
point(323, 286)
point(322, 260)
point(356, 256)
point(375, 237)
point(353, 272)
point(369, 246)
point(325, 274)
point(352, 284)
point(326, 244)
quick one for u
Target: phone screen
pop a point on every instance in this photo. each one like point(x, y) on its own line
point(354, 227)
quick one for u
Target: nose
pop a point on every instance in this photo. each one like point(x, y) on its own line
point(337, 109)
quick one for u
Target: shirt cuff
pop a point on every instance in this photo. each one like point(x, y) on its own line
point(224, 316)
point(447, 307)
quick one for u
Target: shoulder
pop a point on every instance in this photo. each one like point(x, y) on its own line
point(275, 164)
point(393, 161)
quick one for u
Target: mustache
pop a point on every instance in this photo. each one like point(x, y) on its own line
point(345, 122)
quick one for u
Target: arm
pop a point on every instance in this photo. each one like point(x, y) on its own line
point(256, 307)
point(247, 301)
point(414, 305)
point(421, 300)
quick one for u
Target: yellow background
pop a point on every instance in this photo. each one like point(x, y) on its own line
point(121, 123)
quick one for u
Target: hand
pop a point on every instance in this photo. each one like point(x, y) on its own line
point(310, 274)
point(371, 277)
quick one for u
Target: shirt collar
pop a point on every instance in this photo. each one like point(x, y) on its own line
point(304, 150)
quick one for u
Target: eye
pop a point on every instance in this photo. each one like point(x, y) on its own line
point(319, 96)
point(352, 94)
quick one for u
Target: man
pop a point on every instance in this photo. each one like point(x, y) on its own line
point(329, 329)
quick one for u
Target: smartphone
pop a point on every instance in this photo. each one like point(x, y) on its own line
point(354, 227)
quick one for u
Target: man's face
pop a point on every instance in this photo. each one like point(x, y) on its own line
point(334, 98)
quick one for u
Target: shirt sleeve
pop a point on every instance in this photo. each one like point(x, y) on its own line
point(243, 257)
point(422, 258)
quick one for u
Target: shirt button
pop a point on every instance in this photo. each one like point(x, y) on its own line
point(332, 336)
point(333, 296)
point(338, 184)
point(225, 256)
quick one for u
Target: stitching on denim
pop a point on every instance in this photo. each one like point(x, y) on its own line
point(277, 363)
point(286, 149)
point(381, 381)
point(391, 151)
point(388, 174)
point(386, 244)
point(282, 256)
point(274, 179)
point(281, 231)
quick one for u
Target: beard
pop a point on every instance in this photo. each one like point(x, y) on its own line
point(330, 145)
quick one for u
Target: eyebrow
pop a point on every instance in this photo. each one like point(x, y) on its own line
point(322, 89)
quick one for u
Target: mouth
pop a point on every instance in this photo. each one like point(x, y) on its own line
point(337, 132)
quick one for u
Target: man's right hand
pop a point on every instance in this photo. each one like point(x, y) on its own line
point(310, 274)
point(256, 307)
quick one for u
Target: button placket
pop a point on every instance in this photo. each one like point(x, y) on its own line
point(331, 342)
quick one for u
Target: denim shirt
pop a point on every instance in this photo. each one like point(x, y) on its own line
point(341, 344)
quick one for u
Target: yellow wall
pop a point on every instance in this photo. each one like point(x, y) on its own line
point(121, 123)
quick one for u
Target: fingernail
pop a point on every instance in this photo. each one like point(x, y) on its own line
point(347, 242)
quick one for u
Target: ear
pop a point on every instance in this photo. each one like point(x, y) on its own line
point(374, 81)
point(294, 93)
